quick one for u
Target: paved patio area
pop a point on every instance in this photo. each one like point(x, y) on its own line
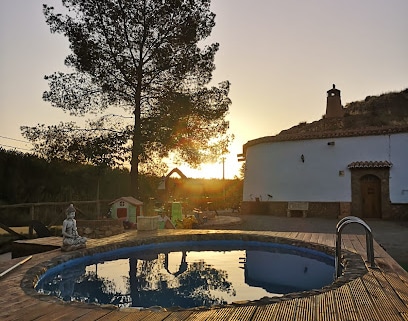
point(392, 235)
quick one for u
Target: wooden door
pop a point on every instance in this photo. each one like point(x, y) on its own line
point(371, 196)
point(121, 212)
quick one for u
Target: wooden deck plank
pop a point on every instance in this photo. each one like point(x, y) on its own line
point(200, 315)
point(347, 244)
point(286, 310)
point(347, 310)
point(386, 263)
point(400, 287)
point(50, 240)
point(362, 300)
point(63, 313)
point(34, 312)
point(265, 312)
point(12, 313)
point(327, 239)
point(156, 316)
point(306, 308)
point(326, 307)
point(117, 315)
point(142, 316)
point(179, 315)
point(94, 314)
point(242, 313)
point(314, 238)
point(17, 302)
point(380, 300)
point(293, 235)
point(307, 237)
point(303, 236)
point(390, 293)
point(359, 244)
point(220, 314)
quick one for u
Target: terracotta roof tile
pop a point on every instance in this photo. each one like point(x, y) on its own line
point(370, 164)
point(282, 137)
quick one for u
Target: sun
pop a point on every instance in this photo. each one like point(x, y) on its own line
point(228, 169)
point(207, 171)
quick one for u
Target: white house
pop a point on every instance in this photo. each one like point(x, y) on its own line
point(328, 173)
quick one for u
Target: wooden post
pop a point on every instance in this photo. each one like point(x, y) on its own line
point(32, 212)
point(98, 204)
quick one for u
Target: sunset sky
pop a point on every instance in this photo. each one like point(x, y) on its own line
point(280, 57)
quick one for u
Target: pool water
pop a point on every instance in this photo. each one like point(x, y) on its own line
point(189, 274)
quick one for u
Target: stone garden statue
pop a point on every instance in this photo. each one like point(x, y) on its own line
point(70, 238)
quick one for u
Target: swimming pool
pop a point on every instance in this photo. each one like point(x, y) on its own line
point(189, 273)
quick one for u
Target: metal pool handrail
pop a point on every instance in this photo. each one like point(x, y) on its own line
point(369, 241)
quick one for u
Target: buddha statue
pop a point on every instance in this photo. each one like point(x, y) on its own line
point(70, 238)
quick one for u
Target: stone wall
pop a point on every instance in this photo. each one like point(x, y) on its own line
point(316, 209)
point(320, 209)
point(96, 229)
point(324, 209)
point(398, 212)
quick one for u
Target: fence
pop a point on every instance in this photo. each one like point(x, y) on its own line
point(51, 213)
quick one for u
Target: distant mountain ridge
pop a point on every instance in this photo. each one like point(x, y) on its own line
point(386, 111)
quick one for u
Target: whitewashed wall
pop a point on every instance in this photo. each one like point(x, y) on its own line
point(276, 168)
point(399, 170)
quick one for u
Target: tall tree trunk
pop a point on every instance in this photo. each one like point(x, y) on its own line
point(98, 204)
point(137, 131)
point(137, 144)
point(134, 171)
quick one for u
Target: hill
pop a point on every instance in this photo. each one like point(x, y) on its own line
point(389, 110)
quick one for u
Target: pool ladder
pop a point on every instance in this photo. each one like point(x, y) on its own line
point(369, 241)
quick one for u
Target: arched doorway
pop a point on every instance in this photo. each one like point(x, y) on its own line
point(370, 196)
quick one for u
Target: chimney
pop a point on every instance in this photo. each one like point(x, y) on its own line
point(333, 107)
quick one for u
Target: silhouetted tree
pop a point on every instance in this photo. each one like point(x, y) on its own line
point(143, 56)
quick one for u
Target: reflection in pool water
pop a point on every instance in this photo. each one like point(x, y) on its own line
point(189, 274)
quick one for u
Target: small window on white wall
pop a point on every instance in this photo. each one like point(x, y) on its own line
point(121, 203)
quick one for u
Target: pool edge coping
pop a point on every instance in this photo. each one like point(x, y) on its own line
point(354, 266)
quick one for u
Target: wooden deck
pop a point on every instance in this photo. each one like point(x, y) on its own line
point(22, 248)
point(380, 294)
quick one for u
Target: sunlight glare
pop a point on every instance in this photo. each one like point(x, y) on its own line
point(208, 171)
point(211, 170)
